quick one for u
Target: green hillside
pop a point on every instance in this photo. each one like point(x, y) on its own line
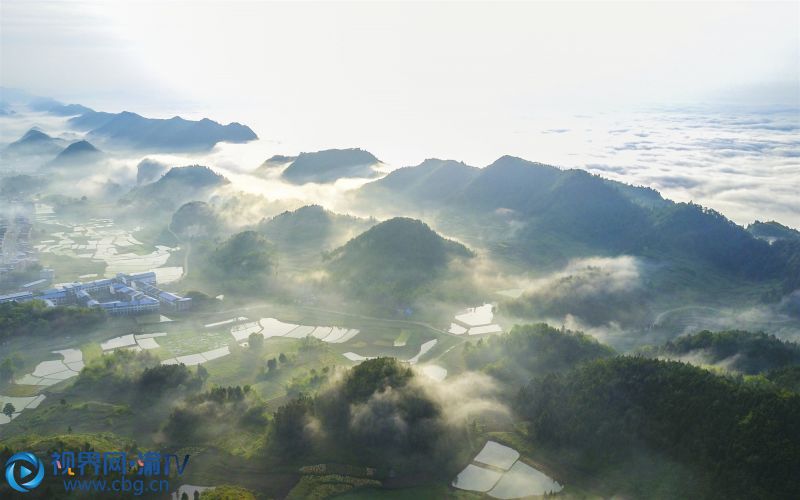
point(391, 262)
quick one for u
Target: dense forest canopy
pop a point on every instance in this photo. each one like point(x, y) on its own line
point(529, 350)
point(729, 439)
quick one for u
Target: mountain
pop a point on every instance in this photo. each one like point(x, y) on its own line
point(429, 182)
point(77, 154)
point(391, 262)
point(273, 163)
point(131, 130)
point(53, 107)
point(311, 227)
point(772, 231)
point(508, 183)
point(330, 165)
point(148, 171)
point(34, 143)
point(195, 220)
point(178, 186)
point(90, 120)
point(541, 215)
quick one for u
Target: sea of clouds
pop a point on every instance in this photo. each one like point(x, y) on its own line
point(744, 164)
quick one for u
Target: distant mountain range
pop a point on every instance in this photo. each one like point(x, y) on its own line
point(133, 131)
point(323, 166)
point(129, 130)
point(543, 215)
point(53, 107)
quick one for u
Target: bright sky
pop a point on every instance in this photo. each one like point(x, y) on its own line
point(416, 79)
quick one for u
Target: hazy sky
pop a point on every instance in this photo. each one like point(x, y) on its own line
point(417, 79)
point(378, 58)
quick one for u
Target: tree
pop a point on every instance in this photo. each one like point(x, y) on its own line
point(202, 373)
point(243, 263)
point(194, 220)
point(9, 410)
point(227, 492)
point(6, 370)
point(255, 341)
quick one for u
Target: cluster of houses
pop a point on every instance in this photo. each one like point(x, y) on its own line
point(122, 295)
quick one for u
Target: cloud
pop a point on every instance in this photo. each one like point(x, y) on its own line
point(467, 395)
point(737, 162)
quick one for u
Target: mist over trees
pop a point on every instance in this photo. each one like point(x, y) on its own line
point(377, 409)
point(741, 351)
point(529, 350)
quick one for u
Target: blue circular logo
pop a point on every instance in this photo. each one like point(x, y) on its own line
point(24, 471)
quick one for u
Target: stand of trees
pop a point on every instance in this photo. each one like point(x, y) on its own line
point(710, 436)
point(35, 318)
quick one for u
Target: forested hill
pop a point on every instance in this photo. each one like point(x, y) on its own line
point(392, 260)
point(312, 226)
point(633, 421)
point(531, 350)
point(546, 215)
point(428, 183)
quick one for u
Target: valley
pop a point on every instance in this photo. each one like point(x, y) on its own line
point(436, 331)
